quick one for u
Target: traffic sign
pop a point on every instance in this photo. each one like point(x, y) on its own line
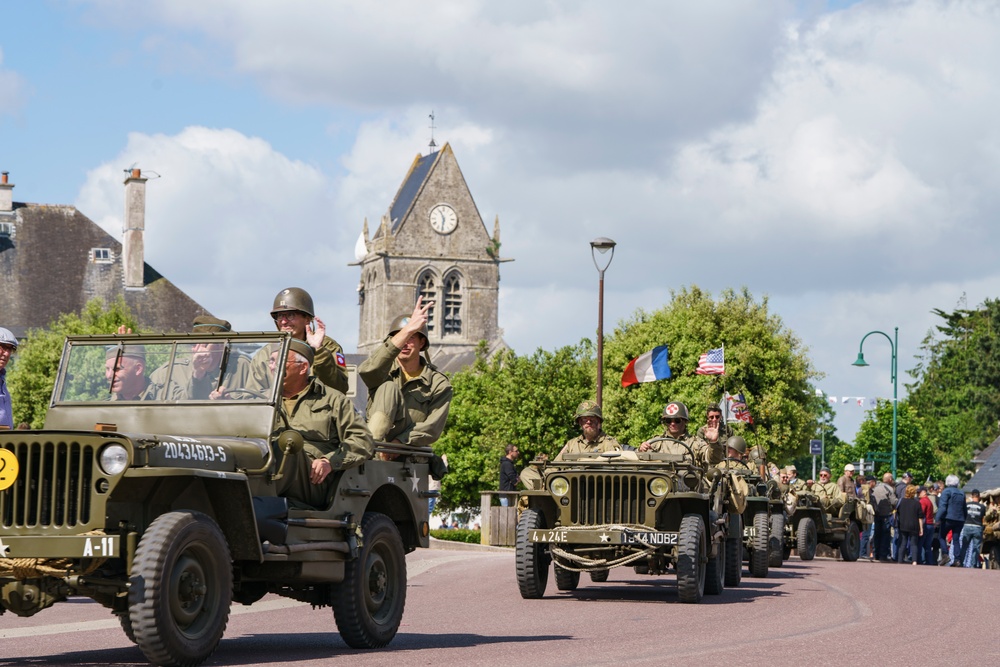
point(815, 447)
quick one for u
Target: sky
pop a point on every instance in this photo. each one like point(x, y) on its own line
point(839, 158)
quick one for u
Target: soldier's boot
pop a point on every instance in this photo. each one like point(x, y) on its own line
point(379, 424)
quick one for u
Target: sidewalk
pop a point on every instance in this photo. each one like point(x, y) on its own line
point(449, 545)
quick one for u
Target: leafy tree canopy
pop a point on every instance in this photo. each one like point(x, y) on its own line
point(528, 401)
point(914, 451)
point(33, 375)
point(955, 384)
point(764, 360)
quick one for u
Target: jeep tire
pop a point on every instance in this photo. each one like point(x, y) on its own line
point(368, 603)
point(806, 538)
point(180, 589)
point(760, 553)
point(691, 560)
point(531, 559)
point(776, 540)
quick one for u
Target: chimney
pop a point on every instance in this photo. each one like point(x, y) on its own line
point(135, 223)
point(6, 194)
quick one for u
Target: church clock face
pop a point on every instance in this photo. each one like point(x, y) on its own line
point(443, 219)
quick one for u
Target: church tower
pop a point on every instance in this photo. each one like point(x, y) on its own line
point(432, 242)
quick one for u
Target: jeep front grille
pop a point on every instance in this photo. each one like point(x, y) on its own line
point(600, 499)
point(53, 486)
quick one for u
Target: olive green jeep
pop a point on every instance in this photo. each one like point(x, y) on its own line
point(163, 508)
point(810, 524)
point(659, 513)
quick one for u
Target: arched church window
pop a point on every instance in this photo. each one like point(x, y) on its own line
point(427, 289)
point(452, 323)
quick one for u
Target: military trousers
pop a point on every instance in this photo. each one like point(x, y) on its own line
point(295, 485)
point(387, 414)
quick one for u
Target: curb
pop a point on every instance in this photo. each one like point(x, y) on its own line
point(448, 545)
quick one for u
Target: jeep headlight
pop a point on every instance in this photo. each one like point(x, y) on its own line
point(659, 487)
point(113, 459)
point(559, 486)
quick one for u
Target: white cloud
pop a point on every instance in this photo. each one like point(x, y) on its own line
point(12, 90)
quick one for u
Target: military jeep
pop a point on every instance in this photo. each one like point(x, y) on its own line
point(658, 513)
point(164, 509)
point(757, 543)
point(810, 524)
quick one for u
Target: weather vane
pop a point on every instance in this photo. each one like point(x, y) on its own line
point(432, 145)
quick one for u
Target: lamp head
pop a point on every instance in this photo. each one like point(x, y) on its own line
point(860, 361)
point(602, 244)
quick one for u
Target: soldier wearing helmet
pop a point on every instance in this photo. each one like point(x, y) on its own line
point(675, 419)
point(592, 438)
point(736, 449)
point(293, 312)
point(8, 345)
point(408, 398)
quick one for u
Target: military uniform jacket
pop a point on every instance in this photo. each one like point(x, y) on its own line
point(578, 445)
point(717, 449)
point(185, 386)
point(427, 397)
point(329, 425)
point(733, 464)
point(324, 366)
point(847, 487)
point(829, 490)
point(797, 486)
point(700, 448)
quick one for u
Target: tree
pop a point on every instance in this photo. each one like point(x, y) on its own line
point(528, 401)
point(914, 451)
point(33, 376)
point(764, 360)
point(956, 380)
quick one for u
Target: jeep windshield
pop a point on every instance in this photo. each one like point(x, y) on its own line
point(178, 383)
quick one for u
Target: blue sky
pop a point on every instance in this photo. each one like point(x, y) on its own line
point(839, 157)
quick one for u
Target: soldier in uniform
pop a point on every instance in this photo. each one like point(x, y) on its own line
point(408, 398)
point(783, 481)
point(293, 312)
point(736, 448)
point(675, 419)
point(592, 438)
point(829, 494)
point(715, 433)
point(336, 438)
point(795, 485)
point(846, 482)
point(127, 374)
point(197, 377)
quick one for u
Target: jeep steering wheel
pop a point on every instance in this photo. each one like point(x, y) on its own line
point(667, 438)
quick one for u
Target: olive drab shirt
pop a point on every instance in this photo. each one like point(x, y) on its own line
point(329, 425)
point(733, 464)
point(325, 366)
point(829, 494)
point(578, 445)
point(797, 486)
point(700, 448)
point(185, 386)
point(716, 448)
point(426, 397)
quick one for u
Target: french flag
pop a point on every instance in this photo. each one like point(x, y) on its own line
point(648, 367)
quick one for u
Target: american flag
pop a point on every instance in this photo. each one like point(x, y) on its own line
point(712, 362)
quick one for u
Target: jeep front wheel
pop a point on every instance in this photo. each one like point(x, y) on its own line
point(530, 558)
point(368, 603)
point(776, 541)
point(691, 559)
point(850, 548)
point(180, 589)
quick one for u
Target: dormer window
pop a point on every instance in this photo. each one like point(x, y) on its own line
point(101, 255)
point(6, 230)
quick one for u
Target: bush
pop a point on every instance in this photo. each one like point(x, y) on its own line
point(458, 535)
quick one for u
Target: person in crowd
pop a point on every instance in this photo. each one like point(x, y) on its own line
point(125, 370)
point(905, 480)
point(508, 473)
point(675, 419)
point(846, 483)
point(926, 551)
point(828, 492)
point(972, 531)
point(795, 485)
point(951, 518)
point(8, 346)
point(884, 502)
point(910, 525)
point(715, 433)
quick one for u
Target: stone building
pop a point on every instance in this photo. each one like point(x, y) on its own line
point(432, 242)
point(54, 259)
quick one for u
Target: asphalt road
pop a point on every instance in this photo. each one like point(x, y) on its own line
point(463, 608)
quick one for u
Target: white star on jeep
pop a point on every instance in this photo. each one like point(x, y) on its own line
point(604, 537)
point(415, 482)
point(3, 549)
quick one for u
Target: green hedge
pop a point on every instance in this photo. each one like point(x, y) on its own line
point(458, 535)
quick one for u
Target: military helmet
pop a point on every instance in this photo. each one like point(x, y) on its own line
point(588, 409)
point(738, 443)
point(401, 321)
point(293, 298)
point(674, 410)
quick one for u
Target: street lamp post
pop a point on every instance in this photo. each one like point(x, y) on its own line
point(601, 246)
point(894, 348)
